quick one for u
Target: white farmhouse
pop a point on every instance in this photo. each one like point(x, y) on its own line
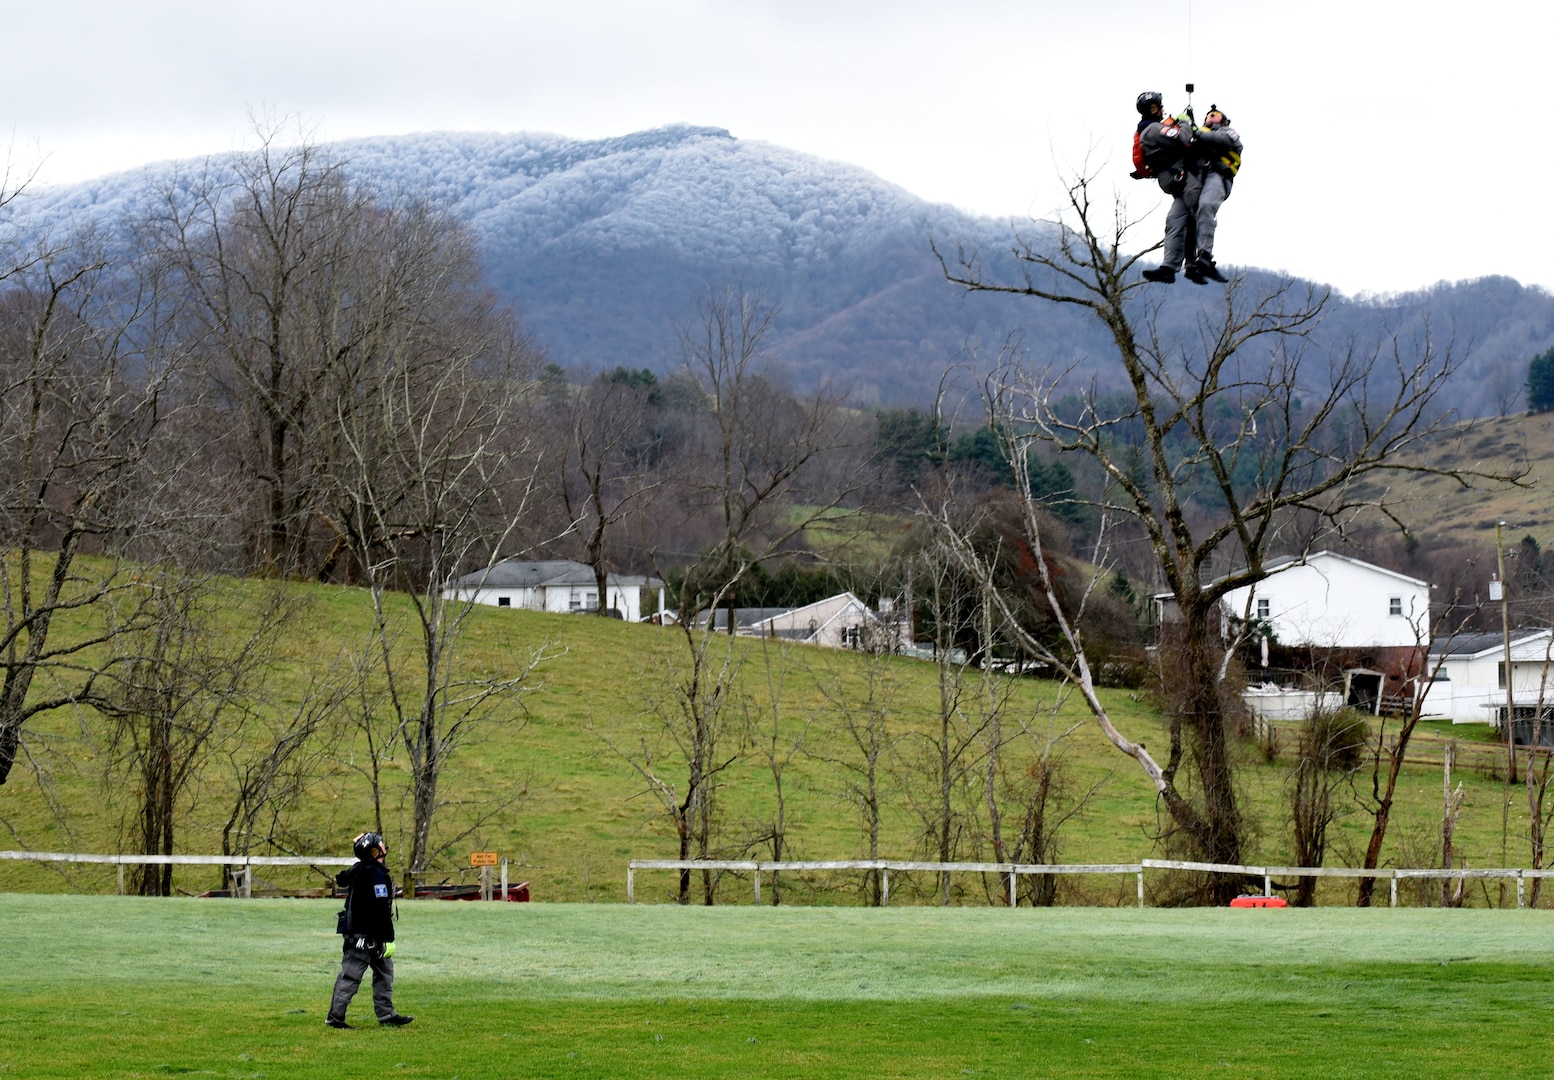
point(1335, 602)
point(558, 585)
point(1469, 684)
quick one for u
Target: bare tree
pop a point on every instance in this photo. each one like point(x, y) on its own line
point(1220, 442)
point(287, 752)
point(86, 389)
point(610, 465)
point(942, 761)
point(698, 737)
point(755, 446)
point(866, 742)
point(1331, 746)
point(433, 478)
point(292, 274)
point(1387, 760)
point(772, 733)
point(178, 689)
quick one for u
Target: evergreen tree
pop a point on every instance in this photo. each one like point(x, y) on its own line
point(1540, 383)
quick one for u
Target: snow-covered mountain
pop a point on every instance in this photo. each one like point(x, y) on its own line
point(601, 246)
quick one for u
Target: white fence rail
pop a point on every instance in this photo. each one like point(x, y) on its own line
point(755, 867)
point(244, 876)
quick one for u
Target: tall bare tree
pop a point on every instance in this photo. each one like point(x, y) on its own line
point(291, 274)
point(610, 464)
point(177, 691)
point(434, 477)
point(86, 388)
point(754, 448)
point(1223, 438)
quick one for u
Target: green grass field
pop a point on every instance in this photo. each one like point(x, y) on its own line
point(110, 987)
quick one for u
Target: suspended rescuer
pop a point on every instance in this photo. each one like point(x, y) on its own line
point(1211, 159)
point(368, 925)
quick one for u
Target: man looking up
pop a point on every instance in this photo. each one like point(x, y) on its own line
point(369, 934)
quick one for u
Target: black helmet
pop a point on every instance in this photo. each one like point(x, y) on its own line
point(366, 846)
point(1150, 100)
point(1223, 119)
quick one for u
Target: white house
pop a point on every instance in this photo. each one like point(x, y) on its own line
point(1469, 686)
point(558, 585)
point(840, 621)
point(1333, 601)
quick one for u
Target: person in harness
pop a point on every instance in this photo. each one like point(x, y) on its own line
point(1218, 151)
point(368, 926)
point(1211, 157)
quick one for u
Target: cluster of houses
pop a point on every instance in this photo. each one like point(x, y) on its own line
point(559, 585)
point(1365, 628)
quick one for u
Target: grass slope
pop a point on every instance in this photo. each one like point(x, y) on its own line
point(98, 987)
point(584, 811)
point(1438, 509)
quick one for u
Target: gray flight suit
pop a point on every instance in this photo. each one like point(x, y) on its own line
point(360, 954)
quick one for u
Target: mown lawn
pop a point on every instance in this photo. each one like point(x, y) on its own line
point(100, 987)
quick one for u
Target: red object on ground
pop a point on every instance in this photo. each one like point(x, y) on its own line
point(1259, 901)
point(515, 893)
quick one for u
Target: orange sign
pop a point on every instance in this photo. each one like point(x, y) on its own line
point(484, 858)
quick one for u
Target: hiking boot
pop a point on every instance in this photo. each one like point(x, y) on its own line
point(330, 1021)
point(1206, 267)
point(1163, 274)
point(397, 1020)
point(1194, 274)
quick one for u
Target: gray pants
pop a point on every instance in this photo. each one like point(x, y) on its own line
point(1192, 219)
point(1214, 189)
point(353, 966)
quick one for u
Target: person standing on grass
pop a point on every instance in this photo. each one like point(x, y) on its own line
point(369, 934)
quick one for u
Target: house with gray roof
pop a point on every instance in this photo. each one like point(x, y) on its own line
point(556, 585)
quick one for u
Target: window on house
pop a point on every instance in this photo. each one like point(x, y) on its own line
point(1264, 609)
point(1395, 606)
point(1500, 674)
point(504, 601)
point(591, 601)
point(575, 602)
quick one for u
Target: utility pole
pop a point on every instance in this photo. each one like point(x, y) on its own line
point(1510, 682)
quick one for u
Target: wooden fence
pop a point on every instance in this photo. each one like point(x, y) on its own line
point(755, 867)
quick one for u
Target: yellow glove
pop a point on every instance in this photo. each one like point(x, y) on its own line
point(388, 950)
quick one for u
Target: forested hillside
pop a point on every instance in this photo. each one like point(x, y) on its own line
point(600, 245)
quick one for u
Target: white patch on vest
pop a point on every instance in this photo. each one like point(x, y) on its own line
point(380, 890)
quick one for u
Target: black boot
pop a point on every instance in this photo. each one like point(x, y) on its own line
point(1194, 273)
point(1206, 267)
point(1165, 275)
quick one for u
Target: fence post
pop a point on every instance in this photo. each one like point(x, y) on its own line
point(1141, 886)
point(1394, 901)
point(1521, 886)
point(757, 877)
point(1012, 877)
point(248, 881)
point(884, 886)
point(504, 879)
point(631, 896)
point(1267, 882)
point(121, 878)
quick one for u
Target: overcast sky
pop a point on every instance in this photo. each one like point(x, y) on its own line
point(1389, 144)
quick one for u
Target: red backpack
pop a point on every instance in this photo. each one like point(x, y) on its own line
point(1157, 149)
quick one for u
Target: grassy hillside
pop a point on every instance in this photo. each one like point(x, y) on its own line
point(1438, 509)
point(579, 808)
